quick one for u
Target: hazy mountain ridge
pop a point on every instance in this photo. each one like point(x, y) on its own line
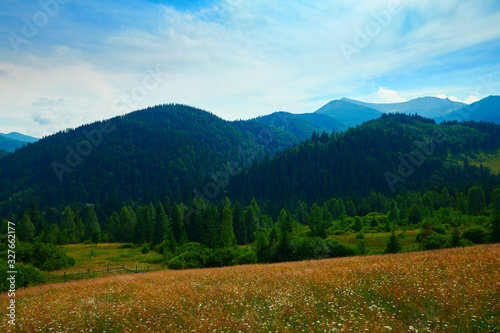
point(20, 137)
point(429, 107)
point(487, 110)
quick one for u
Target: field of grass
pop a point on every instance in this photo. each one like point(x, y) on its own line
point(377, 241)
point(490, 160)
point(452, 290)
point(108, 255)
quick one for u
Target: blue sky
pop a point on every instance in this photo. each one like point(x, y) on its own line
point(68, 62)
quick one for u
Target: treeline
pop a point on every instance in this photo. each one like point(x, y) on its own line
point(391, 155)
point(147, 155)
point(296, 234)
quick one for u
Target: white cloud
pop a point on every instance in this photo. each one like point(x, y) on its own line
point(238, 59)
point(44, 118)
point(389, 96)
point(469, 100)
point(44, 102)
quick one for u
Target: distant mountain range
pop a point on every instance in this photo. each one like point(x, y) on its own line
point(352, 112)
point(487, 110)
point(175, 150)
point(11, 141)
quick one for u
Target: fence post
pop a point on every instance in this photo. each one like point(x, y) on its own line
point(148, 268)
point(108, 269)
point(89, 270)
point(136, 268)
point(65, 276)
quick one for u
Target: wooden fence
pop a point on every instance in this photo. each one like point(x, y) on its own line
point(109, 270)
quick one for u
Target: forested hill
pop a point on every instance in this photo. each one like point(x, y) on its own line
point(147, 155)
point(396, 152)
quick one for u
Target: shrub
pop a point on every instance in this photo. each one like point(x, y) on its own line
point(247, 257)
point(435, 242)
point(27, 275)
point(440, 229)
point(337, 249)
point(476, 235)
point(126, 246)
point(360, 236)
point(46, 257)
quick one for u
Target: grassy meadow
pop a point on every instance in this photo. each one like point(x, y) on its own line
point(452, 290)
point(106, 255)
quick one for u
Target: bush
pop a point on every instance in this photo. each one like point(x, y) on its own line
point(195, 255)
point(337, 249)
point(338, 232)
point(435, 242)
point(360, 236)
point(126, 246)
point(27, 275)
point(46, 257)
point(440, 229)
point(476, 235)
point(247, 257)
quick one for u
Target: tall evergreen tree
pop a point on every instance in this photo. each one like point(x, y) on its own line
point(91, 222)
point(455, 238)
point(239, 225)
point(177, 223)
point(495, 228)
point(394, 212)
point(393, 245)
point(160, 226)
point(476, 200)
point(113, 226)
point(26, 229)
point(415, 215)
point(127, 224)
point(227, 231)
point(150, 222)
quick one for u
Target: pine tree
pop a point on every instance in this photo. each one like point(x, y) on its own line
point(160, 226)
point(91, 222)
point(68, 221)
point(495, 228)
point(455, 238)
point(476, 200)
point(35, 216)
point(177, 224)
point(239, 225)
point(96, 236)
point(150, 222)
point(128, 221)
point(227, 231)
point(113, 226)
point(415, 215)
point(394, 212)
point(350, 209)
point(26, 229)
point(393, 245)
point(358, 224)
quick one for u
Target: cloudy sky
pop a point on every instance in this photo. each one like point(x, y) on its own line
point(68, 62)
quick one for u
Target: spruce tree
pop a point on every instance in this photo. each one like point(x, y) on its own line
point(227, 232)
point(495, 228)
point(415, 215)
point(160, 225)
point(393, 245)
point(26, 229)
point(455, 238)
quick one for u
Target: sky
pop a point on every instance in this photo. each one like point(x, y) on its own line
point(64, 63)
